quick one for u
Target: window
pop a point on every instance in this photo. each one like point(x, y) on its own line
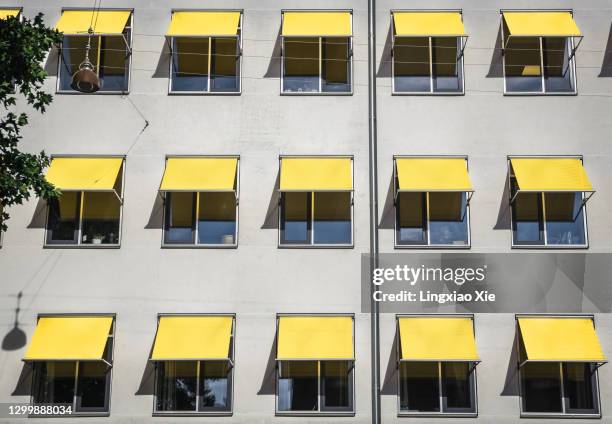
point(437, 388)
point(84, 386)
point(316, 218)
point(193, 387)
point(86, 218)
point(315, 387)
point(110, 55)
point(428, 65)
point(432, 219)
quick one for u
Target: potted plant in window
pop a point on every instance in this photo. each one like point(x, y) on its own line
point(97, 238)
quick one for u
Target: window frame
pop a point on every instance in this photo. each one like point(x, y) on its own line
point(428, 245)
point(563, 414)
point(461, 42)
point(545, 244)
point(108, 389)
point(572, 46)
point(79, 244)
point(170, 43)
point(231, 362)
point(320, 91)
point(195, 244)
point(312, 245)
point(129, 41)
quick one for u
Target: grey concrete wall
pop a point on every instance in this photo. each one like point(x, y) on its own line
point(257, 279)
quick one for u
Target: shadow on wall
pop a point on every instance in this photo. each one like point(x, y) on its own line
point(39, 219)
point(504, 214)
point(271, 220)
point(52, 61)
point(24, 382)
point(147, 382)
point(384, 67)
point(16, 338)
point(268, 383)
point(162, 70)
point(389, 385)
point(387, 217)
point(496, 69)
point(511, 384)
point(274, 66)
point(156, 219)
point(606, 66)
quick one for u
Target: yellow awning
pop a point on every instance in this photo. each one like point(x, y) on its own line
point(550, 174)
point(104, 22)
point(317, 24)
point(559, 339)
point(84, 173)
point(541, 24)
point(315, 338)
point(204, 23)
point(192, 337)
point(316, 174)
point(199, 174)
point(437, 339)
point(428, 24)
point(76, 338)
point(432, 174)
point(7, 13)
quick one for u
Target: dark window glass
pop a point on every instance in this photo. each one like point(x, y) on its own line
point(190, 64)
point(180, 213)
point(296, 218)
point(64, 215)
point(176, 386)
point(336, 66)
point(336, 386)
point(541, 387)
point(580, 387)
point(411, 63)
point(92, 386)
point(54, 383)
point(217, 218)
point(564, 218)
point(332, 218)
point(523, 64)
point(448, 218)
point(457, 387)
point(527, 220)
point(301, 64)
point(419, 387)
point(446, 67)
point(224, 75)
point(215, 390)
point(298, 386)
point(557, 69)
point(101, 217)
point(411, 210)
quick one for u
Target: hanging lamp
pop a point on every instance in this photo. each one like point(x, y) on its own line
point(86, 80)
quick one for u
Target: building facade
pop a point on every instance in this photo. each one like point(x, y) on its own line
point(274, 112)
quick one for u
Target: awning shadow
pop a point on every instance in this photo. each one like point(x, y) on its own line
point(274, 67)
point(505, 211)
point(496, 68)
point(606, 66)
point(24, 382)
point(147, 382)
point(511, 384)
point(162, 70)
point(389, 385)
point(384, 67)
point(39, 219)
point(51, 64)
point(156, 218)
point(387, 216)
point(268, 382)
point(271, 219)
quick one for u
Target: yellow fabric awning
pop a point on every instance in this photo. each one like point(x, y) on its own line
point(541, 24)
point(199, 174)
point(432, 174)
point(437, 339)
point(192, 337)
point(560, 339)
point(104, 22)
point(315, 338)
point(9, 13)
point(204, 23)
point(317, 24)
point(316, 174)
point(428, 24)
point(550, 174)
point(76, 338)
point(84, 173)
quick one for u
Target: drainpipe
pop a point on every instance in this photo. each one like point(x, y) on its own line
point(373, 165)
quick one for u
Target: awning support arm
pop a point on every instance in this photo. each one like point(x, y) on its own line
point(584, 200)
point(463, 44)
point(118, 197)
point(107, 363)
point(514, 197)
point(523, 363)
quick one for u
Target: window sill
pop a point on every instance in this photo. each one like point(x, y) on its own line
point(204, 93)
point(315, 93)
point(550, 247)
point(528, 94)
point(561, 416)
point(193, 414)
point(316, 246)
point(73, 415)
point(437, 415)
point(314, 414)
point(81, 246)
point(434, 94)
point(199, 246)
point(97, 93)
point(432, 246)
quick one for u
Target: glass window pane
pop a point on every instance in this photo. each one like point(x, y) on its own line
point(217, 218)
point(295, 218)
point(298, 386)
point(458, 387)
point(541, 389)
point(564, 218)
point(63, 222)
point(215, 390)
point(332, 218)
point(419, 387)
point(558, 74)
point(523, 64)
point(176, 386)
point(448, 218)
point(180, 211)
point(336, 65)
point(224, 74)
point(527, 219)
point(336, 386)
point(190, 64)
point(447, 73)
point(411, 218)
point(113, 64)
point(101, 216)
point(72, 55)
point(301, 64)
point(54, 382)
point(93, 386)
point(411, 64)
point(580, 386)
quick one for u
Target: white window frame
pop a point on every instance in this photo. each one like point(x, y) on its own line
point(571, 45)
point(79, 244)
point(320, 91)
point(312, 244)
point(428, 245)
point(545, 244)
point(461, 43)
point(170, 42)
point(197, 412)
point(129, 25)
point(563, 414)
point(195, 244)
